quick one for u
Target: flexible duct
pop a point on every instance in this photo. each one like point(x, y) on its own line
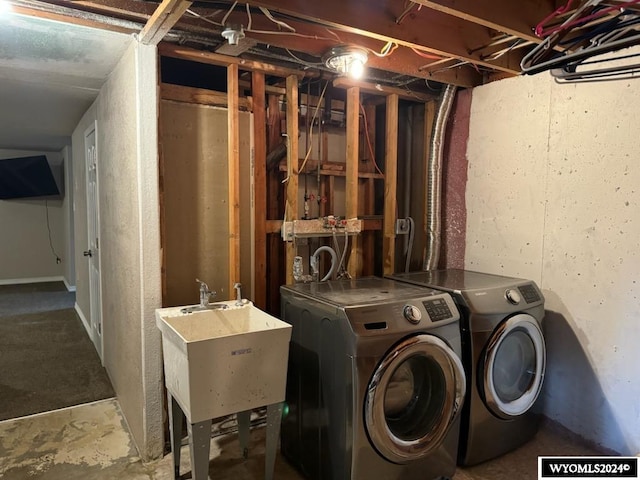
point(434, 182)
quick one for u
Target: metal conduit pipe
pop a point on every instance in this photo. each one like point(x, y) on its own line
point(434, 179)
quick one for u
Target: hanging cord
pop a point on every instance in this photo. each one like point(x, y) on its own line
point(53, 250)
point(366, 131)
point(412, 229)
point(342, 271)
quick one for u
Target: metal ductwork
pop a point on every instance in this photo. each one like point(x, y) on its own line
point(434, 182)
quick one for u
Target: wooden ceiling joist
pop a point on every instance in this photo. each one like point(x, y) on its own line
point(163, 19)
point(316, 40)
point(514, 18)
point(428, 30)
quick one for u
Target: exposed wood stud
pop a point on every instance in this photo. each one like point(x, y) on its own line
point(260, 187)
point(163, 20)
point(233, 159)
point(390, 186)
point(351, 186)
point(291, 208)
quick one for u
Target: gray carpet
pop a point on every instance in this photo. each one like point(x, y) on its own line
point(34, 297)
point(47, 360)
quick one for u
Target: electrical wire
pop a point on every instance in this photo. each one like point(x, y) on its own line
point(366, 131)
point(53, 250)
point(313, 119)
point(262, 32)
point(268, 14)
point(412, 230)
point(430, 56)
point(250, 20)
point(303, 62)
point(224, 19)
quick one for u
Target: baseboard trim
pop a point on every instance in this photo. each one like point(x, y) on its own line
point(84, 320)
point(70, 288)
point(16, 281)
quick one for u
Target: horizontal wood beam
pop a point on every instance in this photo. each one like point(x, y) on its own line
point(382, 90)
point(516, 18)
point(427, 30)
point(200, 96)
point(163, 20)
point(184, 53)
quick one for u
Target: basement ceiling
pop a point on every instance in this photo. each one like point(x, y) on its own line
point(50, 73)
point(461, 42)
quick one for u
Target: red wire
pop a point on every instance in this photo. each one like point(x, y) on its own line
point(426, 55)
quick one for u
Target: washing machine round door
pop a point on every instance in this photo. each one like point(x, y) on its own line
point(413, 397)
point(513, 365)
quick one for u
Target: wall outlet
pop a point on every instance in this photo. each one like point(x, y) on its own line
point(402, 226)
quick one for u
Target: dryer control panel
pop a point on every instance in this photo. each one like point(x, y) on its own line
point(437, 309)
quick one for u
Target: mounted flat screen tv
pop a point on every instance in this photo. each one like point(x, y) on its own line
point(26, 177)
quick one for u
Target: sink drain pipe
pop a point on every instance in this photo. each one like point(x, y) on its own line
point(434, 179)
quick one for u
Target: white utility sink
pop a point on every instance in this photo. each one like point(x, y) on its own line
point(223, 361)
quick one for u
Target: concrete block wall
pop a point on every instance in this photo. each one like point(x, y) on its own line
point(552, 195)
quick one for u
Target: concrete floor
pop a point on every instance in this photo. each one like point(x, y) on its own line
point(91, 442)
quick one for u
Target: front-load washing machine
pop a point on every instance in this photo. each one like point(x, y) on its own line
point(375, 381)
point(503, 352)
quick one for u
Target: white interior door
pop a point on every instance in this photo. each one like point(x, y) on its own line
point(93, 226)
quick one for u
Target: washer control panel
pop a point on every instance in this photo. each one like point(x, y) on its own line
point(412, 313)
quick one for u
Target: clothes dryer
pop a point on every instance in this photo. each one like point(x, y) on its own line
point(503, 352)
point(375, 381)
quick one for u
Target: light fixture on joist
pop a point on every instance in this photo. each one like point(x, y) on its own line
point(346, 60)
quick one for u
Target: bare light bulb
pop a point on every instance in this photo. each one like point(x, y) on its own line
point(5, 6)
point(356, 69)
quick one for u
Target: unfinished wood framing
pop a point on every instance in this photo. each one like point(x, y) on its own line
point(200, 96)
point(260, 188)
point(163, 19)
point(351, 194)
point(291, 205)
point(184, 53)
point(390, 186)
point(233, 159)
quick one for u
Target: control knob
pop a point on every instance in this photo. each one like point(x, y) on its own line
point(512, 296)
point(412, 313)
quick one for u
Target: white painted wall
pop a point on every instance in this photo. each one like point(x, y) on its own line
point(69, 270)
point(553, 195)
point(126, 114)
point(25, 253)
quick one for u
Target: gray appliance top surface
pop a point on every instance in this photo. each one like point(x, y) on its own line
point(456, 280)
point(360, 291)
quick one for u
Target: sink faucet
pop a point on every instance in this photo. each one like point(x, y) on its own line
point(238, 288)
point(205, 293)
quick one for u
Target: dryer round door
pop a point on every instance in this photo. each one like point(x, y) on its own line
point(513, 365)
point(413, 397)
